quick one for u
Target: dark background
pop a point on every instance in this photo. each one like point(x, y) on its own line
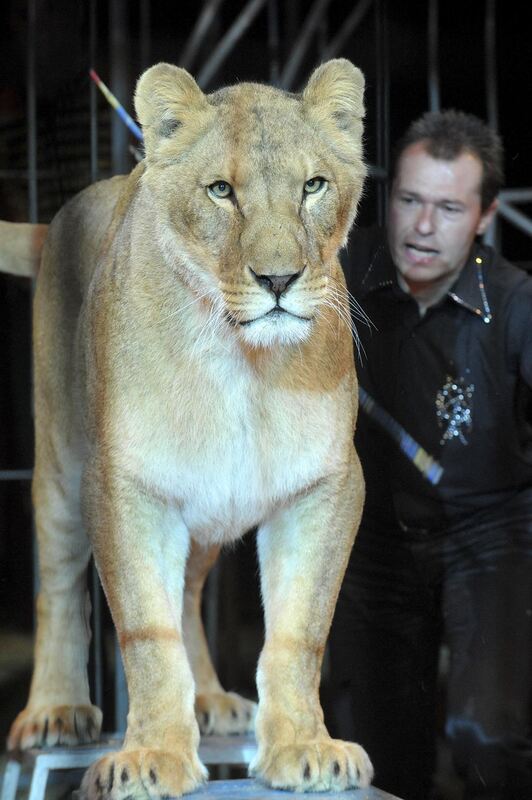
point(133, 35)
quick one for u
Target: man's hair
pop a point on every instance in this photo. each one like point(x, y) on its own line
point(447, 134)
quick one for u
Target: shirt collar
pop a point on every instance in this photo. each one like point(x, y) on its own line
point(468, 291)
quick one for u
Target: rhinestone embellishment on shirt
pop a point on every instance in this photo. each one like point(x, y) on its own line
point(453, 409)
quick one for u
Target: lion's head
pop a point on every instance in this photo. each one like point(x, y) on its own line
point(257, 189)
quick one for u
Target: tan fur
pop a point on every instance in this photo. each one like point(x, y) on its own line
point(183, 413)
point(20, 247)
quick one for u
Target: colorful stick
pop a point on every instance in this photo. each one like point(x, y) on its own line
point(120, 110)
point(427, 465)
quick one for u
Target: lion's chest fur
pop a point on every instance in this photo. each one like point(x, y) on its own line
point(223, 444)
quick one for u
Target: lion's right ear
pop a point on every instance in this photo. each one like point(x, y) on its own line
point(334, 98)
point(167, 97)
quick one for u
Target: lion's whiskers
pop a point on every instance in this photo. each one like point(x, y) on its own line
point(336, 300)
point(300, 354)
point(178, 311)
point(217, 319)
point(209, 330)
point(356, 309)
point(326, 318)
point(231, 291)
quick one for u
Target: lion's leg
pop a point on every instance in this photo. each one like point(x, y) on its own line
point(140, 545)
point(59, 710)
point(303, 553)
point(217, 711)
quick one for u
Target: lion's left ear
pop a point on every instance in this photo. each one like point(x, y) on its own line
point(334, 96)
point(166, 98)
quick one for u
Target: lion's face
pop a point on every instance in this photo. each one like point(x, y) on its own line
point(255, 191)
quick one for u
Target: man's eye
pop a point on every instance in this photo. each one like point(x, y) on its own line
point(452, 209)
point(314, 185)
point(221, 189)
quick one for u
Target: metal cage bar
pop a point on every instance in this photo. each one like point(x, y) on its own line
point(302, 44)
point(203, 25)
point(382, 104)
point(347, 28)
point(274, 42)
point(433, 63)
point(228, 41)
point(490, 64)
point(31, 105)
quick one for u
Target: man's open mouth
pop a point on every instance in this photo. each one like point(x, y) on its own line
point(421, 250)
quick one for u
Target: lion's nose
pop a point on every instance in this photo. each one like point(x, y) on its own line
point(276, 284)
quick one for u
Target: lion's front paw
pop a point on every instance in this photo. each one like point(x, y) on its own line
point(55, 725)
point(141, 774)
point(322, 765)
point(225, 713)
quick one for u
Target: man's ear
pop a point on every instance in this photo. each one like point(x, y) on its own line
point(166, 98)
point(334, 98)
point(487, 217)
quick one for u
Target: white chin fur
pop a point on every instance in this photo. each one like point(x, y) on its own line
point(276, 331)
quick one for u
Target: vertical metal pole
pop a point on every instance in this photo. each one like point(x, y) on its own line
point(492, 235)
point(323, 36)
point(118, 39)
point(433, 74)
point(490, 50)
point(145, 34)
point(97, 638)
point(121, 697)
point(33, 205)
point(382, 114)
point(31, 106)
point(93, 97)
point(292, 25)
point(273, 41)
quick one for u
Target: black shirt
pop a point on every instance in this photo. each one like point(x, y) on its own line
point(458, 379)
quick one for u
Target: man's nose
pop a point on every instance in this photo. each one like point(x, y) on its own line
point(425, 219)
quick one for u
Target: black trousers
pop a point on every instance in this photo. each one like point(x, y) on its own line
point(403, 594)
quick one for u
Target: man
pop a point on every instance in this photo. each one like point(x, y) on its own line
point(449, 356)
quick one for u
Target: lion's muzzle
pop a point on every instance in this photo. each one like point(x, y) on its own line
point(276, 284)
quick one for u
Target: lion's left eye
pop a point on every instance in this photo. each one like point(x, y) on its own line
point(221, 189)
point(314, 185)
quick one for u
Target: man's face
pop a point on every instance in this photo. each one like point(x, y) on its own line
point(435, 214)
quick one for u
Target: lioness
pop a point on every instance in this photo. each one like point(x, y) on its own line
point(194, 379)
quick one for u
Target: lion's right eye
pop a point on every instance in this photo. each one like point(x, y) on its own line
point(221, 189)
point(314, 185)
